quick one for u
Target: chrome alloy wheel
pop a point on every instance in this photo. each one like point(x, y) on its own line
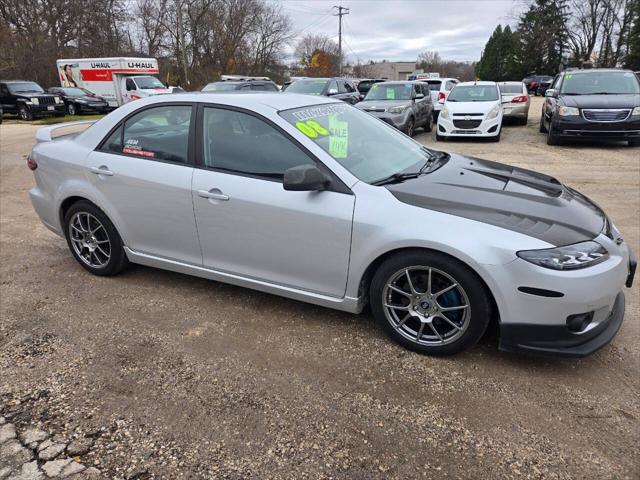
point(89, 239)
point(426, 305)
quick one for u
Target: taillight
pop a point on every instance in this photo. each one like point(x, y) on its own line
point(31, 163)
point(441, 96)
point(521, 99)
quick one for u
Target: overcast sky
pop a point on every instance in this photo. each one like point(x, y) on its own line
point(401, 29)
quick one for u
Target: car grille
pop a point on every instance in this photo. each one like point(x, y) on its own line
point(606, 115)
point(467, 124)
point(46, 100)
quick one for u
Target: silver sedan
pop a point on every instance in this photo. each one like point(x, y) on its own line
point(515, 101)
point(312, 199)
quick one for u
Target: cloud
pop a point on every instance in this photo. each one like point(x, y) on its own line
point(400, 30)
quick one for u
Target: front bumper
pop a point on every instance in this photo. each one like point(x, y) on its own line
point(42, 110)
point(557, 340)
point(397, 120)
point(578, 127)
point(487, 128)
point(93, 107)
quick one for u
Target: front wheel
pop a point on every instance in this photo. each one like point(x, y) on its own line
point(72, 109)
point(552, 138)
point(93, 240)
point(24, 113)
point(430, 302)
point(409, 129)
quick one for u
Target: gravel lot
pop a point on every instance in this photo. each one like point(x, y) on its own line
point(170, 376)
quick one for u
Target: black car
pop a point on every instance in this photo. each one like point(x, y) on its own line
point(80, 100)
point(28, 100)
point(241, 86)
point(365, 85)
point(593, 104)
point(340, 88)
point(544, 82)
point(533, 81)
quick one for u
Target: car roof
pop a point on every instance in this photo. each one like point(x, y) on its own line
point(18, 81)
point(479, 83)
point(510, 82)
point(591, 70)
point(275, 100)
point(400, 82)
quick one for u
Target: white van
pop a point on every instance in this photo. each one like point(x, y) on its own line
point(118, 80)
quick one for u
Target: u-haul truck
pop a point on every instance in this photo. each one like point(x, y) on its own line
point(118, 80)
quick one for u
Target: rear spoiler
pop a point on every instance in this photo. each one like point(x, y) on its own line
point(44, 134)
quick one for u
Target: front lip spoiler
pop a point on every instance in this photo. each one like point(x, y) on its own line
point(556, 341)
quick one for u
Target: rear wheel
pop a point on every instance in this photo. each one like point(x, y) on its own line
point(430, 302)
point(93, 240)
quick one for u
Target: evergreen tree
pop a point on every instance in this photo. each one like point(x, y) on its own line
point(632, 60)
point(488, 66)
point(498, 62)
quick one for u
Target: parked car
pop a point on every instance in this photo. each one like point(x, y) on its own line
point(317, 201)
point(533, 81)
point(80, 100)
point(176, 89)
point(543, 84)
point(592, 104)
point(1, 113)
point(28, 100)
point(339, 88)
point(515, 101)
point(472, 109)
point(404, 105)
point(365, 84)
point(439, 88)
point(241, 86)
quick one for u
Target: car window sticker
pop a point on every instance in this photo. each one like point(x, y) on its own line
point(339, 139)
point(391, 94)
point(568, 75)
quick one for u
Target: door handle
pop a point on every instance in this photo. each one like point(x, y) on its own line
point(213, 194)
point(101, 170)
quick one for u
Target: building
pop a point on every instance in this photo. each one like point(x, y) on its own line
point(390, 70)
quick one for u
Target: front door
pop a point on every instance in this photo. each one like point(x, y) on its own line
point(143, 172)
point(249, 225)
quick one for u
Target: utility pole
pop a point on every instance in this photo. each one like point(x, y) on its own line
point(182, 51)
point(341, 11)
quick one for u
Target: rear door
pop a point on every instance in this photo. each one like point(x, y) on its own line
point(143, 172)
point(249, 225)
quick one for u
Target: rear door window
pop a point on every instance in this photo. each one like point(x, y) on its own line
point(158, 133)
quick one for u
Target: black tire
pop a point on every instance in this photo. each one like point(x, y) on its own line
point(479, 303)
point(411, 127)
point(552, 138)
point(435, 116)
point(117, 260)
point(634, 142)
point(542, 128)
point(523, 121)
point(24, 113)
point(72, 109)
point(429, 125)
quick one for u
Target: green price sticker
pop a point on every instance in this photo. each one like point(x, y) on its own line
point(391, 94)
point(568, 75)
point(339, 139)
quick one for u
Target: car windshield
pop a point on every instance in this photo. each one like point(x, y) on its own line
point(434, 85)
point(309, 87)
point(220, 87)
point(25, 87)
point(148, 82)
point(390, 91)
point(473, 93)
point(370, 149)
point(511, 88)
point(74, 92)
point(604, 83)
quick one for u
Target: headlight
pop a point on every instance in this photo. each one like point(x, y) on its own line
point(636, 111)
point(81, 101)
point(398, 109)
point(568, 111)
point(493, 113)
point(57, 99)
point(569, 257)
point(35, 101)
point(444, 113)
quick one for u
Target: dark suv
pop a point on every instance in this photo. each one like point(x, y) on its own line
point(594, 104)
point(340, 88)
point(241, 86)
point(28, 100)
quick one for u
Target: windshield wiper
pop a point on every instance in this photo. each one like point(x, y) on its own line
point(398, 177)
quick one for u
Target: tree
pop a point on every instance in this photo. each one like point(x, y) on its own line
point(632, 58)
point(498, 60)
point(317, 56)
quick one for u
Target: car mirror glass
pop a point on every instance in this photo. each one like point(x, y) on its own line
point(332, 91)
point(551, 92)
point(305, 178)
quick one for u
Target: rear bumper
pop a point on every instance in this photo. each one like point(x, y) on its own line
point(557, 340)
point(514, 110)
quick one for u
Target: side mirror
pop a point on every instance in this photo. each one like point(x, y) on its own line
point(551, 92)
point(419, 96)
point(305, 178)
point(332, 91)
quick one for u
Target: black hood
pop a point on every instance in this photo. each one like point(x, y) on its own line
point(601, 101)
point(509, 197)
point(33, 94)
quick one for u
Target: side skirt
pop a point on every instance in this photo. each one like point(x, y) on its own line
point(346, 304)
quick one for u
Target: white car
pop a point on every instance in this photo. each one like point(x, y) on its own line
point(472, 109)
point(440, 89)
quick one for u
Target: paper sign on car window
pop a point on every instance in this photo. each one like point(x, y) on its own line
point(339, 139)
point(391, 94)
